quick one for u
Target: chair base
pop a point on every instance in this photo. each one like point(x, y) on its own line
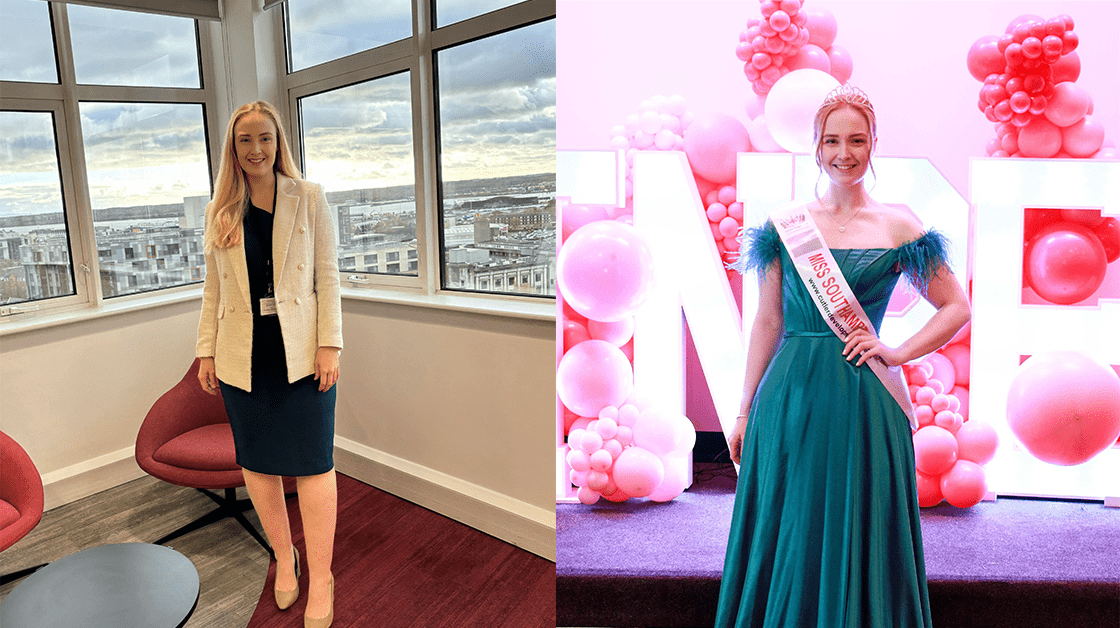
point(228, 506)
point(16, 575)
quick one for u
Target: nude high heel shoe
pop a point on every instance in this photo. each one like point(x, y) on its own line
point(322, 622)
point(285, 599)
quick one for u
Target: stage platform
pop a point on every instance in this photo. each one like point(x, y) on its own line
point(1018, 563)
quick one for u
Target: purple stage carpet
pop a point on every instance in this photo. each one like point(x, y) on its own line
point(1014, 563)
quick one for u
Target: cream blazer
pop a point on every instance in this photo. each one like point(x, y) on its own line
point(304, 254)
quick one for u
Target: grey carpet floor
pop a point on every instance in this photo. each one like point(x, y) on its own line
point(231, 565)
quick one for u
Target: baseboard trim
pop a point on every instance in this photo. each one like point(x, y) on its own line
point(529, 527)
point(89, 477)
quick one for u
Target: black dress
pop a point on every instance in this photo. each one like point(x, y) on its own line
point(279, 428)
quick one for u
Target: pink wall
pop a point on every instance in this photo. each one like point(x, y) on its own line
point(909, 56)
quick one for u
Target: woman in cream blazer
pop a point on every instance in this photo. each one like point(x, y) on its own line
point(269, 337)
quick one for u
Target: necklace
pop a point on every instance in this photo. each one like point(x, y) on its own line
point(840, 226)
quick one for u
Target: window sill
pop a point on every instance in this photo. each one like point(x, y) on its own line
point(501, 306)
point(20, 323)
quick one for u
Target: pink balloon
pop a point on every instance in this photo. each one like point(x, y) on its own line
point(959, 356)
point(727, 195)
point(1066, 263)
point(578, 478)
point(625, 436)
point(607, 428)
point(936, 385)
point(638, 472)
point(840, 63)
point(810, 57)
point(961, 393)
point(1025, 18)
point(761, 139)
point(576, 216)
point(678, 476)
point(617, 496)
point(590, 442)
point(925, 395)
point(964, 485)
point(943, 370)
point(940, 402)
point(948, 420)
point(592, 375)
point(821, 24)
point(1064, 406)
point(657, 431)
point(712, 143)
point(1083, 138)
point(929, 490)
point(716, 212)
point(1109, 233)
point(964, 335)
point(600, 461)
point(1066, 69)
point(587, 496)
point(729, 227)
point(617, 333)
point(793, 103)
point(935, 450)
point(984, 58)
point(924, 414)
point(597, 480)
point(1040, 138)
point(1067, 105)
point(918, 377)
point(578, 460)
point(605, 270)
point(977, 442)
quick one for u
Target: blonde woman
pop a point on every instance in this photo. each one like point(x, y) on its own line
point(269, 338)
point(825, 530)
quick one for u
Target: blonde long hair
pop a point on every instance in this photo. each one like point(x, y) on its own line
point(231, 190)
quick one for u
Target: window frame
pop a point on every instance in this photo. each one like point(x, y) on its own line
point(64, 99)
point(417, 56)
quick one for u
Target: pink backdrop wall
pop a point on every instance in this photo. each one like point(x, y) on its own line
point(909, 56)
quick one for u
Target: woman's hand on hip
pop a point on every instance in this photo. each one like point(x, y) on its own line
point(326, 367)
point(207, 376)
point(866, 345)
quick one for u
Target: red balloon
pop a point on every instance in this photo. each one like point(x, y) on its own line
point(574, 333)
point(1040, 138)
point(1028, 17)
point(929, 490)
point(1067, 68)
point(984, 57)
point(1020, 102)
point(1069, 42)
point(1064, 406)
point(1035, 219)
point(1088, 217)
point(964, 485)
point(1083, 138)
point(1109, 234)
point(1066, 263)
point(1032, 48)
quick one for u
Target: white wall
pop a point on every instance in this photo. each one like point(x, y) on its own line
point(449, 409)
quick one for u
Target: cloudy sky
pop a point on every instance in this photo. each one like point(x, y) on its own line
point(497, 106)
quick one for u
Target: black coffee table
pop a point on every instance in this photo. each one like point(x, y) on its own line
point(112, 586)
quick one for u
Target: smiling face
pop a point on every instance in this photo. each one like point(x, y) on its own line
point(254, 141)
point(845, 146)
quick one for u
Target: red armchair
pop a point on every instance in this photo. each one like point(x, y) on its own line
point(21, 498)
point(186, 440)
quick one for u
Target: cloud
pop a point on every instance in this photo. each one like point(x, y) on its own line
point(28, 46)
point(129, 48)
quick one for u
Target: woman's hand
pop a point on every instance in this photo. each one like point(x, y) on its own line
point(326, 367)
point(207, 376)
point(865, 344)
point(735, 442)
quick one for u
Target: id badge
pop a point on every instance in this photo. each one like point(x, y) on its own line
point(268, 306)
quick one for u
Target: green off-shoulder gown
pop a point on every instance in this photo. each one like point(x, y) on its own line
point(825, 531)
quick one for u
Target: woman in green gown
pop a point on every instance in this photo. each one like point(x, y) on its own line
point(825, 530)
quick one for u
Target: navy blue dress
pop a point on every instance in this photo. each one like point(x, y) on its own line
point(279, 428)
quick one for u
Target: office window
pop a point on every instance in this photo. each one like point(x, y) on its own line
point(325, 30)
point(497, 134)
point(143, 162)
point(451, 11)
point(357, 143)
point(34, 242)
point(114, 47)
point(28, 50)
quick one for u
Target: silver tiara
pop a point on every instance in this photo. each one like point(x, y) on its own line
point(848, 94)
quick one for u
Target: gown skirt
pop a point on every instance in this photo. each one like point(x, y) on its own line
point(279, 428)
point(825, 530)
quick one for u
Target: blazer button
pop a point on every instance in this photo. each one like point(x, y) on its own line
point(303, 229)
point(297, 301)
point(225, 275)
point(301, 266)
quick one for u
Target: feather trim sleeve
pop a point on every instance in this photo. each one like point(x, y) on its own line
point(922, 258)
point(759, 247)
